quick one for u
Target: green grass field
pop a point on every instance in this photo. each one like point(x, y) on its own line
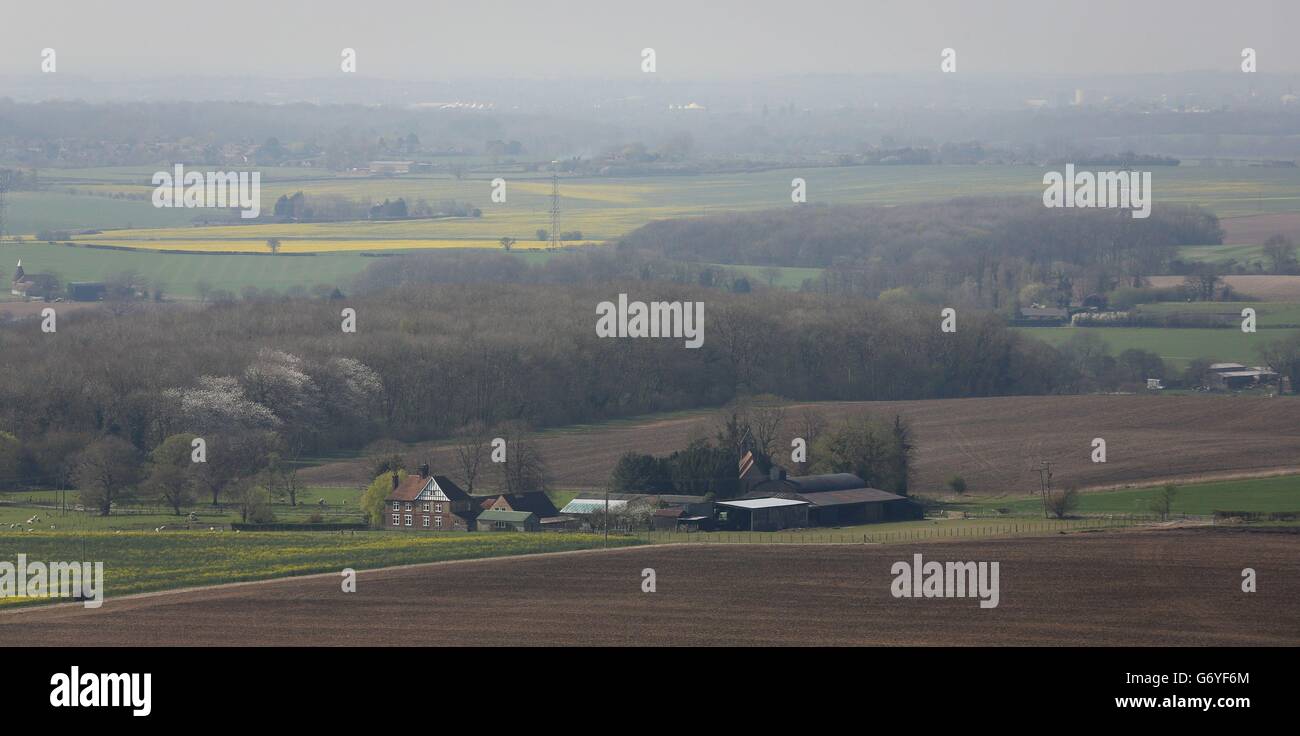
point(601, 208)
point(1221, 254)
point(1177, 346)
point(139, 562)
point(1281, 493)
point(1267, 314)
point(180, 273)
point(604, 208)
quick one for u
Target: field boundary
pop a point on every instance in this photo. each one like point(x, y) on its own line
point(267, 581)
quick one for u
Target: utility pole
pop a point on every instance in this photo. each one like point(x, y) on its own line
point(555, 205)
point(606, 516)
point(1044, 484)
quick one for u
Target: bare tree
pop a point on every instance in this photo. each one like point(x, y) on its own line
point(524, 469)
point(471, 449)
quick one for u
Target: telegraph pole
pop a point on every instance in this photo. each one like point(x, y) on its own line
point(1044, 484)
point(555, 206)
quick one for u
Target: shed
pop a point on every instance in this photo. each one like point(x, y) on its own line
point(508, 521)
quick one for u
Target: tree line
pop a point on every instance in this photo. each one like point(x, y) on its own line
point(976, 252)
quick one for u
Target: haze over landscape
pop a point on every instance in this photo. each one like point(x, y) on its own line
point(394, 283)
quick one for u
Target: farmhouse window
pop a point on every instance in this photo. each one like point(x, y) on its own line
point(407, 519)
point(437, 508)
point(396, 520)
point(426, 522)
point(408, 505)
point(437, 522)
point(397, 506)
point(425, 507)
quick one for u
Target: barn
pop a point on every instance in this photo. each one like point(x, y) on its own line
point(762, 514)
point(834, 499)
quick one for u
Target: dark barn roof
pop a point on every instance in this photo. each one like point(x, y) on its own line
point(849, 497)
point(827, 482)
point(536, 502)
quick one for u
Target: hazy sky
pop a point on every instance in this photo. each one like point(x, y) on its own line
point(433, 39)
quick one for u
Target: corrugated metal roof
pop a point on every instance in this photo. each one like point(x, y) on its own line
point(762, 503)
point(591, 505)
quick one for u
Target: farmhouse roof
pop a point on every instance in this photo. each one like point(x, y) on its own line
point(827, 482)
point(413, 485)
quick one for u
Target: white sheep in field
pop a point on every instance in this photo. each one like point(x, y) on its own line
point(33, 520)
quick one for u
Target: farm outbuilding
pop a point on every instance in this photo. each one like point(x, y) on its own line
point(762, 514)
point(494, 520)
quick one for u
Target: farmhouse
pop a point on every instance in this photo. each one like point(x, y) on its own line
point(429, 503)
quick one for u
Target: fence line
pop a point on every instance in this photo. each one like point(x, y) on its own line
point(1007, 528)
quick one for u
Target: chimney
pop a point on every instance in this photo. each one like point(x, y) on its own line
point(424, 470)
point(395, 481)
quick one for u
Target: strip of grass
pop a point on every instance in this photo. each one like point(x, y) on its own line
point(139, 562)
point(1281, 493)
point(1178, 346)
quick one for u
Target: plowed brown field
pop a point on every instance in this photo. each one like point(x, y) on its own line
point(1150, 587)
point(995, 443)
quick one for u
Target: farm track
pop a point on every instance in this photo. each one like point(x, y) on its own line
point(995, 443)
point(1148, 587)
